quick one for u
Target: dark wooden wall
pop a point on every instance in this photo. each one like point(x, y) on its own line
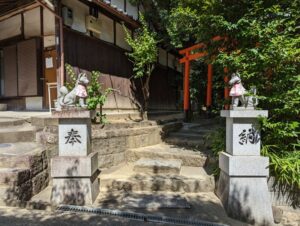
point(164, 93)
point(92, 54)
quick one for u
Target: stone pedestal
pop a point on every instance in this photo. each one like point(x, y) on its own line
point(75, 170)
point(242, 185)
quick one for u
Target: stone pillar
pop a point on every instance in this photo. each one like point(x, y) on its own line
point(242, 185)
point(75, 169)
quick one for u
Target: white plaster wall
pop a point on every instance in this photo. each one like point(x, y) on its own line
point(10, 27)
point(162, 57)
point(132, 10)
point(118, 3)
point(32, 23)
point(120, 37)
point(171, 61)
point(107, 29)
point(49, 28)
point(80, 11)
point(49, 22)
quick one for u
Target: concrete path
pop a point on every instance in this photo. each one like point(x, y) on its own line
point(23, 217)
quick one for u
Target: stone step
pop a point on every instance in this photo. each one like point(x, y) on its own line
point(20, 133)
point(188, 134)
point(157, 166)
point(163, 151)
point(205, 130)
point(190, 179)
point(187, 141)
point(125, 132)
point(21, 155)
point(5, 122)
point(123, 125)
point(14, 176)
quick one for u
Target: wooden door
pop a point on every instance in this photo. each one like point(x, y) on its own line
point(50, 76)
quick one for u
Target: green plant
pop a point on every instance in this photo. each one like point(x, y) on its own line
point(262, 42)
point(96, 97)
point(144, 56)
point(70, 84)
point(218, 144)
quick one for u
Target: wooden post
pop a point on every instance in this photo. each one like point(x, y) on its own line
point(186, 89)
point(209, 85)
point(226, 89)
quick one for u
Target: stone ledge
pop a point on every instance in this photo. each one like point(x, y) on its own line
point(74, 166)
point(244, 165)
point(244, 113)
point(107, 161)
point(105, 134)
point(72, 113)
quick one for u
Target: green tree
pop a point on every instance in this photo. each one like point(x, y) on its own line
point(144, 56)
point(262, 42)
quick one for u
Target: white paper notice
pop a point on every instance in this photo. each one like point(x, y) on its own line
point(49, 62)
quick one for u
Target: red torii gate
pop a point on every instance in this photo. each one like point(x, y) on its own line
point(187, 57)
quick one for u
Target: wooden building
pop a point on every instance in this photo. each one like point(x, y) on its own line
point(37, 37)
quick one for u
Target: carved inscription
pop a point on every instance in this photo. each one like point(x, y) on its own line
point(73, 137)
point(251, 136)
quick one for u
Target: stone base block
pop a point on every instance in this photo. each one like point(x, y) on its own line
point(74, 137)
point(74, 166)
point(243, 131)
point(75, 191)
point(244, 113)
point(244, 165)
point(246, 198)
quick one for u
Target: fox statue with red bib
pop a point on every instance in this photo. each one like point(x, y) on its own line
point(238, 93)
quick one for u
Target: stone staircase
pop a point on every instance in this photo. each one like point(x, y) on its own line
point(113, 140)
point(193, 135)
point(176, 165)
point(23, 162)
point(135, 160)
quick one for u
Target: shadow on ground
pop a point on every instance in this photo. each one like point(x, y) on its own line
point(17, 217)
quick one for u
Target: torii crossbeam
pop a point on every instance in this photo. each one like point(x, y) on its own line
point(187, 57)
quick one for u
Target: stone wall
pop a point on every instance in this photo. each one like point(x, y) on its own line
point(29, 179)
point(110, 140)
point(111, 145)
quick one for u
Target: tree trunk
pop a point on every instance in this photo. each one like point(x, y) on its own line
point(146, 93)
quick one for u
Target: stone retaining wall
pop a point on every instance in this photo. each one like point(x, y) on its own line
point(111, 140)
point(28, 181)
point(111, 147)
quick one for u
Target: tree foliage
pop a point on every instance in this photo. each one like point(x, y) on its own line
point(261, 41)
point(143, 55)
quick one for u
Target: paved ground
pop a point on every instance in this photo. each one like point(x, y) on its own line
point(205, 206)
point(23, 217)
